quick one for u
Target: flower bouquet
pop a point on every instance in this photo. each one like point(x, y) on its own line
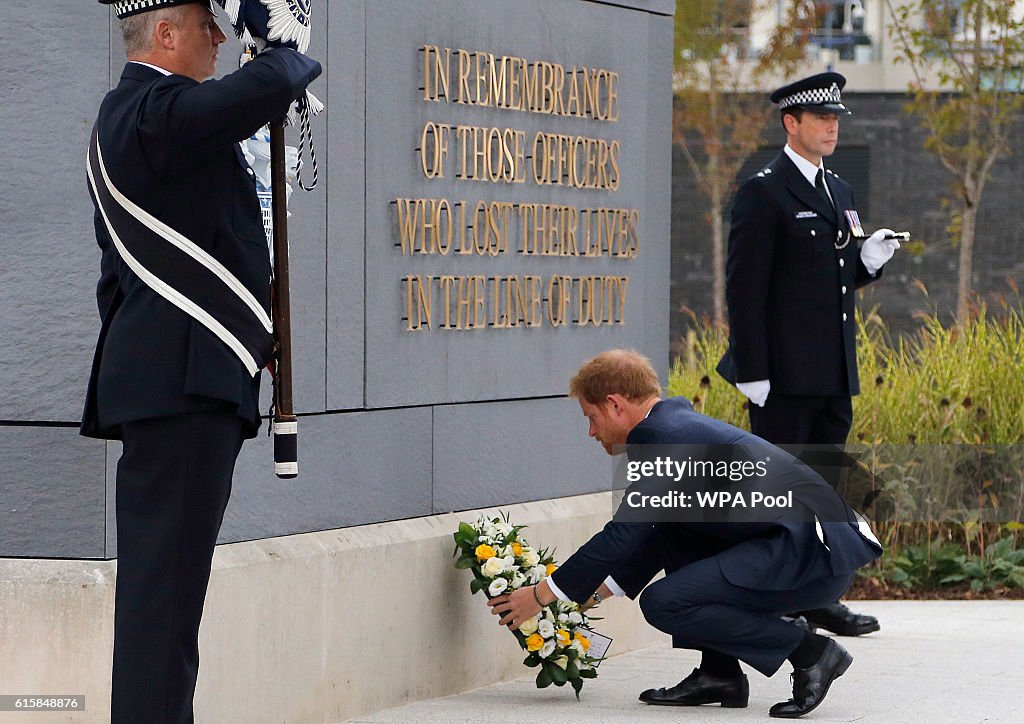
point(501, 561)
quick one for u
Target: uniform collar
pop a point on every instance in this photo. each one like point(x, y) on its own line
point(150, 65)
point(807, 169)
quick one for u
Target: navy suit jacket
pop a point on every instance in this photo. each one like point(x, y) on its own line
point(789, 548)
point(171, 145)
point(788, 287)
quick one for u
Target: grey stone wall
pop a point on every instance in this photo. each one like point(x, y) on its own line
point(898, 185)
point(393, 424)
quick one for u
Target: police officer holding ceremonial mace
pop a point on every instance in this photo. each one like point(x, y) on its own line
point(796, 254)
point(184, 294)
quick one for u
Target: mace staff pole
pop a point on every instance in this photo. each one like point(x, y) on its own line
point(285, 423)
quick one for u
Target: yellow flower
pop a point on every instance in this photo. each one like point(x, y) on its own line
point(483, 552)
point(534, 642)
point(562, 637)
point(550, 569)
point(517, 549)
point(584, 641)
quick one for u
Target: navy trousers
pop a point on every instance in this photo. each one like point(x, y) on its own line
point(700, 609)
point(173, 483)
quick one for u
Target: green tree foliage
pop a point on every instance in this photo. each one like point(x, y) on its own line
point(718, 122)
point(967, 58)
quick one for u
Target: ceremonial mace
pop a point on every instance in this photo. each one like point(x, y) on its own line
point(286, 22)
point(285, 424)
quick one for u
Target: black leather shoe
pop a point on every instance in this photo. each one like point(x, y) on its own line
point(838, 619)
point(811, 685)
point(700, 688)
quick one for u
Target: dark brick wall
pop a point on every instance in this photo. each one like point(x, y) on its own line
point(904, 189)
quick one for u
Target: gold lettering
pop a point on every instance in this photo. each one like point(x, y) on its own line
point(613, 97)
point(418, 295)
point(498, 81)
point(446, 286)
point(409, 211)
point(531, 86)
point(436, 73)
point(465, 68)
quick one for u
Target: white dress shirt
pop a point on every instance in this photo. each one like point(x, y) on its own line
point(809, 170)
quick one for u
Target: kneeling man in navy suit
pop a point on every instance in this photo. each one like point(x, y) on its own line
point(730, 572)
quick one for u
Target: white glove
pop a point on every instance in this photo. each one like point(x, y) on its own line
point(877, 250)
point(757, 392)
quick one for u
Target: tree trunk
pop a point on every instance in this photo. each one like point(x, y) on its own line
point(718, 259)
point(964, 285)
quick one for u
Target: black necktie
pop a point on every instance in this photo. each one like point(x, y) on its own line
point(819, 183)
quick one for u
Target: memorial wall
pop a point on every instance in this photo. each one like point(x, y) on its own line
point(493, 209)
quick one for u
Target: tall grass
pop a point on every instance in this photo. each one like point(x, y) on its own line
point(939, 423)
point(944, 384)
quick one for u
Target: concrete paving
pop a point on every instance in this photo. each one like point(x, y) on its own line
point(933, 661)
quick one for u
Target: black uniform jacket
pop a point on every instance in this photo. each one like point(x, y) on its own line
point(781, 550)
point(170, 144)
point(789, 290)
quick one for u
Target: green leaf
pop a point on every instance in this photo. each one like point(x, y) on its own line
point(465, 562)
point(577, 684)
point(588, 673)
point(572, 670)
point(476, 585)
point(531, 660)
point(543, 678)
point(558, 674)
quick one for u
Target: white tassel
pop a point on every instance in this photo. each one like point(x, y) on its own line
point(231, 7)
point(315, 105)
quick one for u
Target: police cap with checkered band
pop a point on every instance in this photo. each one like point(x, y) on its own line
point(820, 93)
point(126, 8)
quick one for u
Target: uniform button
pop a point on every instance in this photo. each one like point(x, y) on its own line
point(842, 262)
point(813, 232)
point(839, 234)
point(844, 316)
point(844, 290)
point(250, 172)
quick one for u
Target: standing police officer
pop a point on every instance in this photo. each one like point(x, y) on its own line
point(183, 294)
point(793, 265)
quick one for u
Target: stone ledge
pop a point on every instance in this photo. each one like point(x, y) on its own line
point(315, 627)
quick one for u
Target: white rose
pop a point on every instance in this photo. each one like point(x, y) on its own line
point(518, 579)
point(537, 574)
point(561, 662)
point(530, 558)
point(497, 587)
point(547, 649)
point(528, 626)
point(493, 566)
point(575, 618)
point(546, 629)
point(563, 618)
point(510, 561)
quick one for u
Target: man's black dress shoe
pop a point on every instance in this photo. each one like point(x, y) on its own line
point(700, 688)
point(811, 685)
point(838, 619)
